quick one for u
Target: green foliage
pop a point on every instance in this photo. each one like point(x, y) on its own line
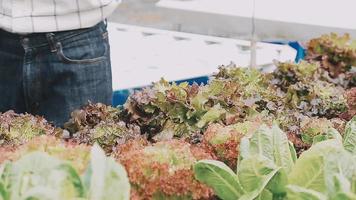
point(98, 123)
point(105, 179)
point(324, 168)
point(249, 182)
point(255, 173)
point(77, 155)
point(271, 143)
point(316, 98)
point(291, 73)
point(256, 123)
point(336, 54)
point(16, 129)
point(221, 178)
point(287, 95)
point(163, 170)
point(300, 193)
point(350, 136)
point(231, 96)
point(269, 168)
point(318, 129)
point(39, 176)
point(264, 156)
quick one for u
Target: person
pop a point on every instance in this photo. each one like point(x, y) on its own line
point(54, 56)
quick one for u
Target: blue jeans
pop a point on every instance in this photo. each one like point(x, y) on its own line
point(51, 74)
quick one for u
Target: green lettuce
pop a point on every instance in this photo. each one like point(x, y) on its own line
point(39, 176)
point(271, 143)
point(265, 159)
point(249, 182)
point(326, 168)
point(105, 179)
point(268, 169)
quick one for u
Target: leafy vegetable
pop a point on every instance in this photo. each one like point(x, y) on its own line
point(253, 176)
point(336, 54)
point(255, 173)
point(299, 193)
point(350, 136)
point(271, 143)
point(224, 142)
point(98, 123)
point(351, 105)
point(39, 176)
point(77, 155)
point(221, 178)
point(318, 129)
point(105, 178)
point(320, 168)
point(163, 170)
point(279, 135)
point(16, 129)
point(268, 168)
point(264, 156)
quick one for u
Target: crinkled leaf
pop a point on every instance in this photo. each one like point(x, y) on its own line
point(212, 115)
point(199, 101)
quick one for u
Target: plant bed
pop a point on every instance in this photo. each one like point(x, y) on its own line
point(288, 134)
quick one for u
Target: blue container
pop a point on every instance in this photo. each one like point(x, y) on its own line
point(295, 45)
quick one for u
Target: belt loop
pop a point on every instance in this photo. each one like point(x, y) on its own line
point(52, 42)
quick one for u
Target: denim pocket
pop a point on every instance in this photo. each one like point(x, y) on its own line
point(90, 47)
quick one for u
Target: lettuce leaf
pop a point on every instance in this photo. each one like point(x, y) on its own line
point(249, 183)
point(220, 177)
point(326, 168)
point(271, 143)
point(350, 136)
point(254, 174)
point(105, 179)
point(300, 193)
point(40, 176)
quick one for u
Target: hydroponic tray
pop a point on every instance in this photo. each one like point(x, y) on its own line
point(141, 55)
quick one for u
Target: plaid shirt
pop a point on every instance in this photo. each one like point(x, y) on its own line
point(29, 16)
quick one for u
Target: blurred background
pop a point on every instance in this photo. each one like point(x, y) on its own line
point(186, 40)
point(275, 19)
